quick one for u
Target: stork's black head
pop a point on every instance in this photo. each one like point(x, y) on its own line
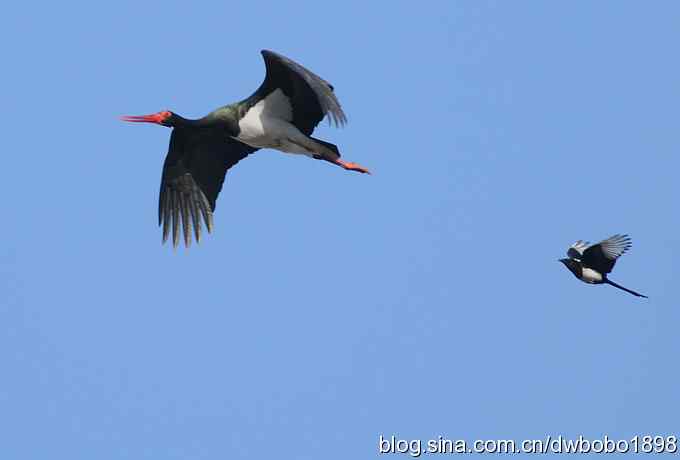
point(165, 118)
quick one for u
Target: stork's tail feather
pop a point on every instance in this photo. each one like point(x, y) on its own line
point(332, 148)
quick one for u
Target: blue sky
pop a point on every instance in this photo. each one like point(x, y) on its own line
point(330, 307)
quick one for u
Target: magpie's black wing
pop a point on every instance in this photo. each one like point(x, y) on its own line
point(575, 251)
point(602, 256)
point(193, 173)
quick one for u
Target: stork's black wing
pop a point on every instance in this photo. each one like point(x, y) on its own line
point(311, 97)
point(602, 256)
point(193, 173)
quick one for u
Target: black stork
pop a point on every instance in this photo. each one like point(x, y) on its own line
point(281, 114)
point(591, 263)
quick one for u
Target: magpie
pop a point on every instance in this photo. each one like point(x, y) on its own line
point(591, 263)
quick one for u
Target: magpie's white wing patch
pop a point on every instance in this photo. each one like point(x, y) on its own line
point(615, 246)
point(576, 250)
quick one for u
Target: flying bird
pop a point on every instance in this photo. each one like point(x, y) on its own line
point(591, 263)
point(281, 114)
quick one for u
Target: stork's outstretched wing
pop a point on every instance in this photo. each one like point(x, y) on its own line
point(193, 174)
point(309, 96)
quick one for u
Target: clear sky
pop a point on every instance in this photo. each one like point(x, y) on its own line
point(330, 307)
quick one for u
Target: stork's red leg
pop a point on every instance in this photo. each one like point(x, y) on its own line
point(351, 166)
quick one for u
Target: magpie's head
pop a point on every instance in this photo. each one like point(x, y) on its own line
point(569, 262)
point(573, 265)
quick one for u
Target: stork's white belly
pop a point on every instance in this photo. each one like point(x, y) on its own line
point(590, 276)
point(268, 125)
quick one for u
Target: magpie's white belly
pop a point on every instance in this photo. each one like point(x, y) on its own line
point(268, 125)
point(590, 276)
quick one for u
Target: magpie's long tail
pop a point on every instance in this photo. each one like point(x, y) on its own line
point(608, 281)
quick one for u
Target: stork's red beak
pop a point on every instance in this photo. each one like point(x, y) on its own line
point(157, 118)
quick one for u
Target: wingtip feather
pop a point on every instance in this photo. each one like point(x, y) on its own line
point(182, 207)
